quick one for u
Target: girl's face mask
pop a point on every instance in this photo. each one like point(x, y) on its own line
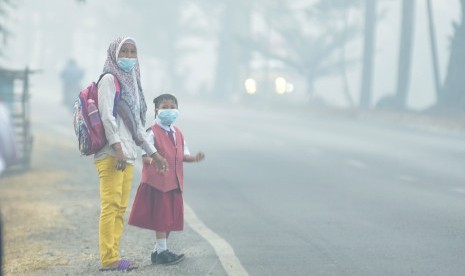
point(168, 116)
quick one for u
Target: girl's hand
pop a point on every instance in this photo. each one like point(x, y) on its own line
point(199, 156)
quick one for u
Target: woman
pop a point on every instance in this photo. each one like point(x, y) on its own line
point(124, 122)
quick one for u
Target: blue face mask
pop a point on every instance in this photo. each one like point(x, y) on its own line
point(126, 64)
point(168, 116)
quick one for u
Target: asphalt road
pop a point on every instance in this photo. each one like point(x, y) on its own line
point(302, 193)
point(297, 193)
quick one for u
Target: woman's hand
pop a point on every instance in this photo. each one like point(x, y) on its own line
point(119, 157)
point(159, 162)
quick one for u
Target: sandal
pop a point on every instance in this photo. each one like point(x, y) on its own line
point(123, 265)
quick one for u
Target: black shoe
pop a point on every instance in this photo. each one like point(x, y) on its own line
point(168, 258)
point(153, 257)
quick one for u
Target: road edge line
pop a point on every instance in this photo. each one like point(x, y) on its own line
point(223, 249)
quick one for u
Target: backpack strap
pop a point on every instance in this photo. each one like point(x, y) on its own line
point(118, 91)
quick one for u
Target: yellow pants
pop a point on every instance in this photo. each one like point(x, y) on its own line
point(115, 187)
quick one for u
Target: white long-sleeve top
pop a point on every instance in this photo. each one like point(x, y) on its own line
point(151, 136)
point(115, 129)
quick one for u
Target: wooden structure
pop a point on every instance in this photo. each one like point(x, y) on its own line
point(14, 92)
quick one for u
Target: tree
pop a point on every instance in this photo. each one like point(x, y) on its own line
point(162, 26)
point(405, 53)
point(434, 54)
point(452, 96)
point(309, 43)
point(231, 56)
point(4, 32)
point(368, 53)
point(339, 9)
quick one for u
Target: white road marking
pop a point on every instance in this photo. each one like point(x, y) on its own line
point(223, 249)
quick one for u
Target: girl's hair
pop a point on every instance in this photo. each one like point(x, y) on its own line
point(164, 97)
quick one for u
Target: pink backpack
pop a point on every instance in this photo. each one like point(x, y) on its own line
point(88, 125)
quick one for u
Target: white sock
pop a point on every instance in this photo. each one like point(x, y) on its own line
point(155, 248)
point(161, 245)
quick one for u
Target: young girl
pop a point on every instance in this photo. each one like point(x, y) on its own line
point(158, 204)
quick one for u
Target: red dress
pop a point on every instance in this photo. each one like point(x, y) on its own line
point(158, 204)
point(156, 210)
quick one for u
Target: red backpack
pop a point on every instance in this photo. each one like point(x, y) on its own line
point(88, 125)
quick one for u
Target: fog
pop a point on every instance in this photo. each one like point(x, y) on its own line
point(181, 56)
point(301, 177)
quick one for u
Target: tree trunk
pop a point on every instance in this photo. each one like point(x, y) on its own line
point(452, 97)
point(368, 53)
point(231, 58)
point(310, 82)
point(434, 51)
point(405, 53)
point(345, 81)
point(169, 41)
